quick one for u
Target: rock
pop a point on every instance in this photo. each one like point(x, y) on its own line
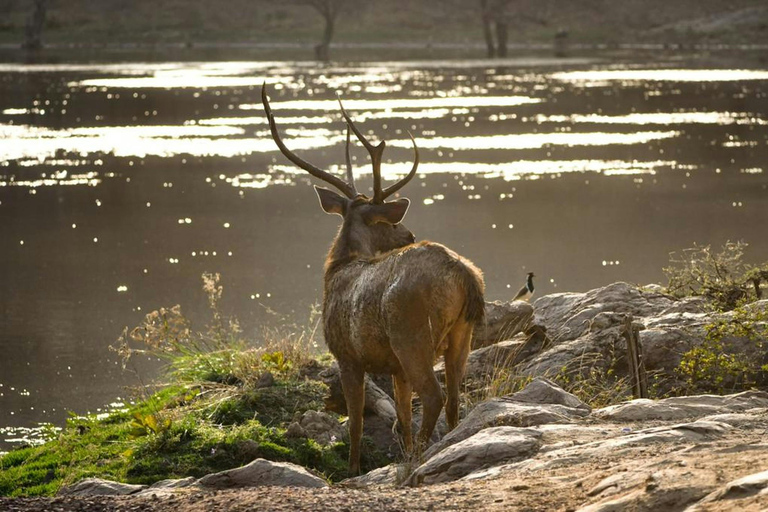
point(295, 431)
point(248, 449)
point(322, 427)
point(594, 348)
point(508, 411)
point(379, 413)
point(168, 487)
point(388, 475)
point(542, 391)
point(174, 484)
point(756, 483)
point(266, 380)
point(489, 447)
point(484, 362)
point(100, 487)
point(260, 473)
point(487, 361)
point(683, 407)
point(588, 327)
point(376, 401)
point(567, 316)
point(684, 433)
point(503, 320)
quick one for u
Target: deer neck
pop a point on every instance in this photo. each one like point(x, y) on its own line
point(346, 248)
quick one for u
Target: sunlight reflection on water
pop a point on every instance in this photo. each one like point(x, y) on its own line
point(508, 171)
point(662, 75)
point(662, 118)
point(537, 140)
point(394, 103)
point(20, 142)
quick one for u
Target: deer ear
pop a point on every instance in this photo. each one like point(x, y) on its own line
point(391, 213)
point(331, 202)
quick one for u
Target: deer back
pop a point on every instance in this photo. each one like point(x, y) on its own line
point(414, 294)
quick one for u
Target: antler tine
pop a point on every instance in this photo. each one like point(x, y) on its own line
point(347, 189)
point(374, 151)
point(350, 173)
point(400, 184)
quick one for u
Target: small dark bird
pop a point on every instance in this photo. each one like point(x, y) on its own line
point(526, 291)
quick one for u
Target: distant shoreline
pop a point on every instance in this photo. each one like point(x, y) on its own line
point(749, 54)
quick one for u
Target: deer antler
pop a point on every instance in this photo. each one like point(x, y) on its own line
point(408, 177)
point(376, 152)
point(348, 189)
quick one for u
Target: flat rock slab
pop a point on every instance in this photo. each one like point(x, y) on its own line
point(746, 487)
point(168, 487)
point(100, 487)
point(685, 407)
point(262, 472)
point(539, 403)
point(489, 447)
point(386, 476)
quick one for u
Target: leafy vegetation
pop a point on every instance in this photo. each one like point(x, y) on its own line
point(732, 355)
point(721, 277)
point(225, 404)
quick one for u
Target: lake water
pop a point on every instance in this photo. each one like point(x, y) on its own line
point(120, 184)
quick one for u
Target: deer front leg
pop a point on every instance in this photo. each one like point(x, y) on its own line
point(353, 385)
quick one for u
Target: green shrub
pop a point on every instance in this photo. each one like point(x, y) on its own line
point(721, 277)
point(715, 366)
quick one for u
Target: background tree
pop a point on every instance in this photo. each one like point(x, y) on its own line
point(329, 10)
point(34, 29)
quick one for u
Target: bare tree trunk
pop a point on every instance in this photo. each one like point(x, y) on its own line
point(501, 38)
point(487, 29)
point(35, 24)
point(322, 50)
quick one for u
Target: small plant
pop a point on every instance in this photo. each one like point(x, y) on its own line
point(145, 424)
point(276, 362)
point(715, 366)
point(722, 277)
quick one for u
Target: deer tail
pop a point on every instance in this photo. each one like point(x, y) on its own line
point(474, 286)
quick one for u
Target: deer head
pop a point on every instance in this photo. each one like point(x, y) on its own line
point(371, 224)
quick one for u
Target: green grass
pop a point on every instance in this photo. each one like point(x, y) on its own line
point(215, 413)
point(191, 437)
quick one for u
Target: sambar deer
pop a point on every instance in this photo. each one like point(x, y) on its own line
point(391, 306)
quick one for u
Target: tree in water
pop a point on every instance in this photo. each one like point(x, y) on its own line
point(329, 10)
point(492, 16)
point(35, 24)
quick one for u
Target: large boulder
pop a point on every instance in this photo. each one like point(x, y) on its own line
point(567, 316)
point(586, 331)
point(262, 472)
point(503, 320)
point(489, 447)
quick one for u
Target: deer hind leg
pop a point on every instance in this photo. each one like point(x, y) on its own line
point(353, 385)
point(415, 355)
point(403, 402)
point(459, 342)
